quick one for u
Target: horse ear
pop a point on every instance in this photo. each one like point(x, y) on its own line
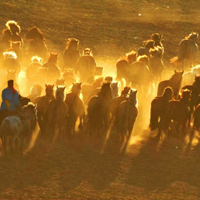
point(182, 71)
point(175, 71)
point(45, 85)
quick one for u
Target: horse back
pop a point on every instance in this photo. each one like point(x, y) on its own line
point(161, 86)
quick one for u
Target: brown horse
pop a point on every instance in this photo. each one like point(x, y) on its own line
point(98, 110)
point(114, 104)
point(157, 38)
point(145, 50)
point(37, 45)
point(158, 111)
point(71, 53)
point(174, 82)
point(86, 65)
point(76, 107)
point(126, 116)
point(56, 115)
point(188, 49)
point(42, 103)
point(50, 69)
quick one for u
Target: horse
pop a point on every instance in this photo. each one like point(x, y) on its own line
point(188, 49)
point(174, 82)
point(71, 53)
point(37, 45)
point(4, 42)
point(123, 66)
point(42, 103)
point(131, 57)
point(157, 38)
point(86, 65)
point(98, 110)
point(139, 74)
point(126, 116)
point(76, 107)
point(158, 111)
point(114, 104)
point(156, 64)
point(16, 48)
point(69, 76)
point(50, 69)
point(10, 62)
point(179, 112)
point(56, 116)
point(35, 91)
point(34, 67)
point(15, 127)
point(90, 90)
point(145, 50)
point(15, 30)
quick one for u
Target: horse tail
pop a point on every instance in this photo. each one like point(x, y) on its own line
point(153, 117)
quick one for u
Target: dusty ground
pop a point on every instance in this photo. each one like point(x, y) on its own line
point(90, 169)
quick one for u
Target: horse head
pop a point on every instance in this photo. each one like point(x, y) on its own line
point(194, 37)
point(60, 92)
point(49, 90)
point(76, 88)
point(34, 33)
point(36, 90)
point(72, 43)
point(106, 91)
point(13, 26)
point(30, 113)
point(133, 96)
point(125, 91)
point(131, 57)
point(53, 58)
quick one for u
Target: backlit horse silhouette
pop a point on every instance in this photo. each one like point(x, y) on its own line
point(174, 82)
point(76, 107)
point(188, 49)
point(98, 110)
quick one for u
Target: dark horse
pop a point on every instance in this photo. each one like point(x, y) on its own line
point(174, 82)
point(98, 110)
point(42, 103)
point(158, 111)
point(37, 45)
point(197, 117)
point(76, 107)
point(126, 116)
point(188, 49)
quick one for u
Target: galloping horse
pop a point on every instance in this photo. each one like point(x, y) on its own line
point(56, 116)
point(71, 53)
point(42, 103)
point(37, 45)
point(86, 65)
point(50, 69)
point(188, 49)
point(158, 111)
point(76, 107)
point(15, 127)
point(174, 82)
point(126, 116)
point(98, 110)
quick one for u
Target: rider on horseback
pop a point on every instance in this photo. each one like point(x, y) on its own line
point(10, 103)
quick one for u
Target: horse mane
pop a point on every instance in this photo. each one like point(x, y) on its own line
point(10, 55)
point(36, 59)
point(192, 35)
point(13, 26)
point(144, 59)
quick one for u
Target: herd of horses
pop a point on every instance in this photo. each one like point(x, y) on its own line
point(78, 96)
